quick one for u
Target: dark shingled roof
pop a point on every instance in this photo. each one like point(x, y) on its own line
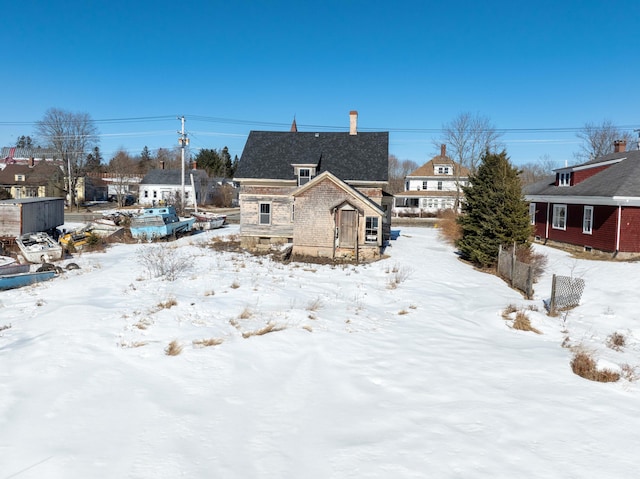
point(270, 154)
point(171, 177)
point(619, 179)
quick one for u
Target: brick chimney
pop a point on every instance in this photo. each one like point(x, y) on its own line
point(195, 165)
point(32, 162)
point(161, 165)
point(619, 146)
point(443, 150)
point(353, 122)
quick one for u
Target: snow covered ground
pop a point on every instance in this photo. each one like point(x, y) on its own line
point(399, 369)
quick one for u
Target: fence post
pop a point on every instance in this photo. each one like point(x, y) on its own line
point(529, 282)
point(552, 302)
point(513, 263)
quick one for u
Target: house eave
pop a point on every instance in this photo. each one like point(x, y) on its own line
point(586, 200)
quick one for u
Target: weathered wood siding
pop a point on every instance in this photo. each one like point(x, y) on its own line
point(30, 215)
point(315, 224)
point(281, 201)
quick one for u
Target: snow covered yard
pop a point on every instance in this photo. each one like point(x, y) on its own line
point(401, 368)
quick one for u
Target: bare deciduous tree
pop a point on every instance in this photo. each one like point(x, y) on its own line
point(122, 167)
point(71, 135)
point(533, 172)
point(398, 170)
point(598, 139)
point(467, 137)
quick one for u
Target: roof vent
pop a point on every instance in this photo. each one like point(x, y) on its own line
point(317, 135)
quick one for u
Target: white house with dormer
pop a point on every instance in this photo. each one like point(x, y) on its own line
point(435, 186)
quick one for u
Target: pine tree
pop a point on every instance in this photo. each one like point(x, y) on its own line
point(494, 213)
point(146, 161)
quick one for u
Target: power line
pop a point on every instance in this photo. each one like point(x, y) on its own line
point(313, 127)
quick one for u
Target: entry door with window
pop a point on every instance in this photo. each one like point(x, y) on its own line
point(347, 232)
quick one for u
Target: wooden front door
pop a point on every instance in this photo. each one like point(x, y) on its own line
point(347, 232)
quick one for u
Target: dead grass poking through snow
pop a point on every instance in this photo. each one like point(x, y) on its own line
point(204, 343)
point(616, 341)
point(584, 365)
point(168, 304)
point(270, 327)
point(522, 323)
point(173, 349)
point(315, 305)
point(134, 344)
point(246, 313)
point(508, 311)
point(235, 285)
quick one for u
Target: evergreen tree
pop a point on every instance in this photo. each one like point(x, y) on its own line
point(234, 166)
point(210, 160)
point(225, 157)
point(24, 142)
point(146, 161)
point(495, 212)
point(94, 161)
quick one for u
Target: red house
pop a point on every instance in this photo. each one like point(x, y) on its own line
point(593, 206)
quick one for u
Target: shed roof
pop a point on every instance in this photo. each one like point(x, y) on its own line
point(171, 177)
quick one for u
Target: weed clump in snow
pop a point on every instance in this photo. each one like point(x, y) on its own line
point(584, 365)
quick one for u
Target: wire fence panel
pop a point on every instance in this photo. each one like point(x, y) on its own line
point(566, 292)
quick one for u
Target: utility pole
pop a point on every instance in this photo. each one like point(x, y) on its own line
point(183, 141)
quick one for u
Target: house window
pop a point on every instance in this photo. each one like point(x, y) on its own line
point(265, 214)
point(560, 217)
point(587, 220)
point(424, 185)
point(532, 213)
point(146, 193)
point(304, 176)
point(564, 179)
point(371, 229)
point(155, 194)
point(439, 185)
point(19, 177)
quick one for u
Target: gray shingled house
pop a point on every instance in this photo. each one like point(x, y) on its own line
point(323, 192)
point(592, 206)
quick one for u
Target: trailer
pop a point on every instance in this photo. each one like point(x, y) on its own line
point(30, 215)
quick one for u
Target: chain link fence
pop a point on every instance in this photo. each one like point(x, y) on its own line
point(566, 293)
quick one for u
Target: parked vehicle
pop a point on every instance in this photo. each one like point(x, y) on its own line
point(39, 248)
point(159, 222)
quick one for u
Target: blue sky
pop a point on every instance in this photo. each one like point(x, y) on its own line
point(538, 70)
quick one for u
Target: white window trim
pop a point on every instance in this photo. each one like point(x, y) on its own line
point(532, 213)
point(556, 216)
point(260, 213)
point(372, 238)
point(564, 179)
point(588, 223)
point(307, 178)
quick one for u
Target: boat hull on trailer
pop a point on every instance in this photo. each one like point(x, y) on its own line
point(39, 248)
point(208, 221)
